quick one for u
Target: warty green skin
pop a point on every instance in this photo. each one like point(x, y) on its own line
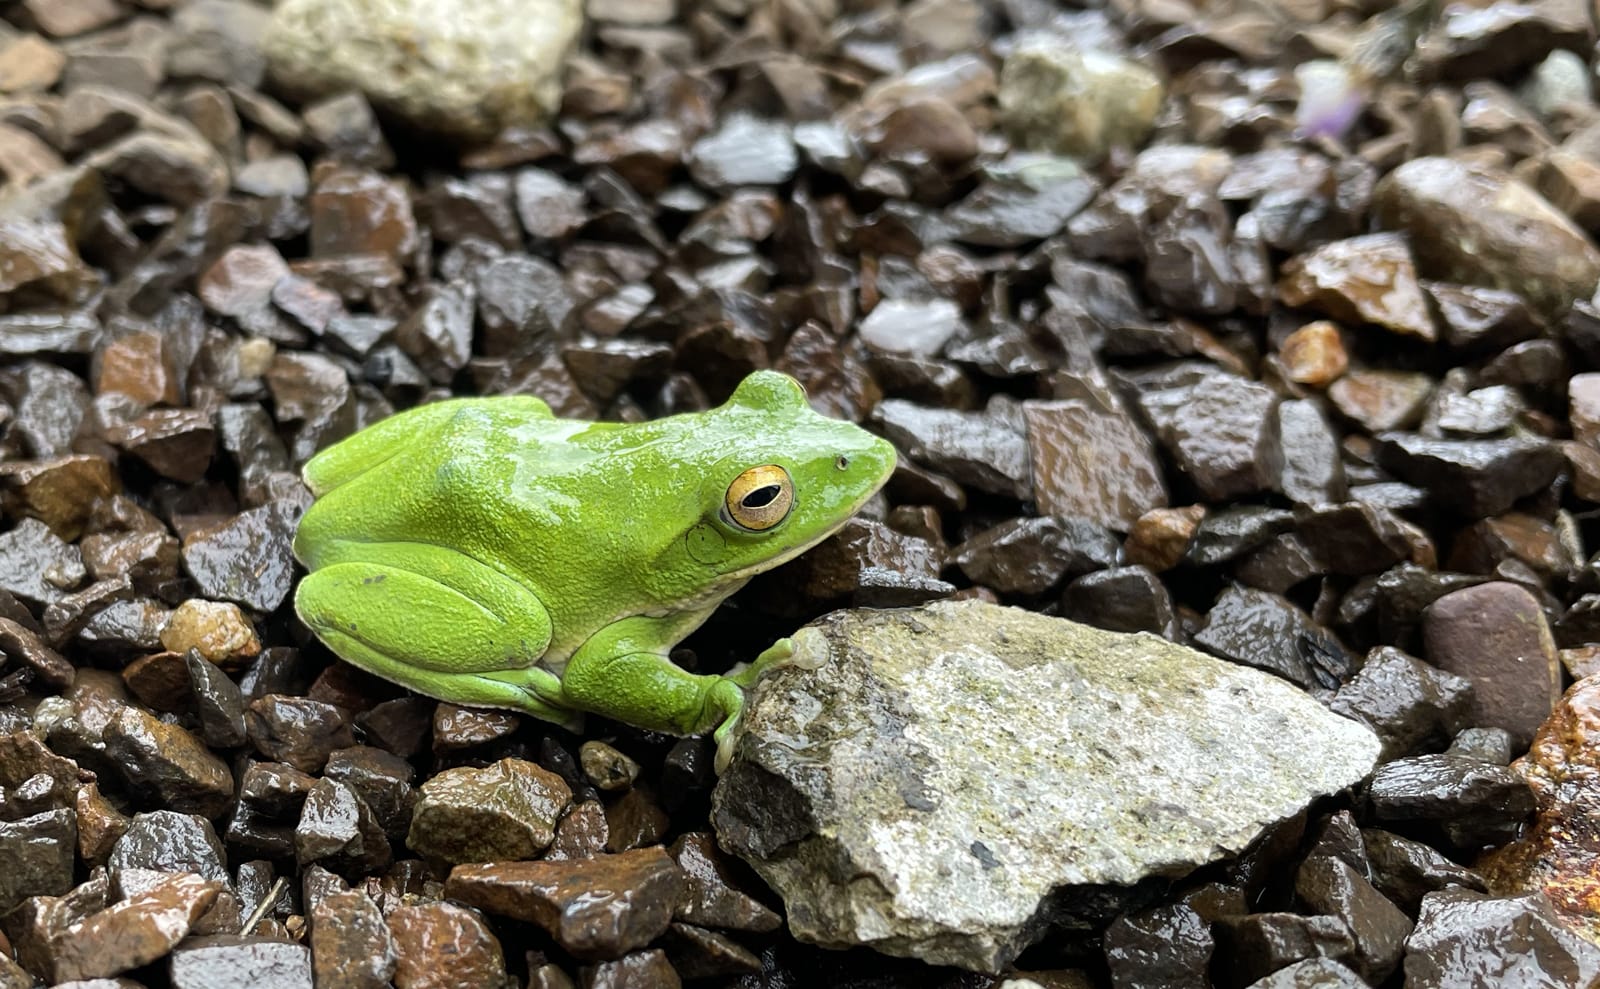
point(484, 552)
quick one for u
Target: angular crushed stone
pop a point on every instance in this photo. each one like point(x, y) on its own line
point(921, 780)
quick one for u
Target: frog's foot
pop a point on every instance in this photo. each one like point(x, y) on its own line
point(780, 653)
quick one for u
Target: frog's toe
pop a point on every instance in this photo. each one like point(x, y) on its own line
point(780, 653)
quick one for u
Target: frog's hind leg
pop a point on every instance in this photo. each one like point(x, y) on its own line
point(438, 622)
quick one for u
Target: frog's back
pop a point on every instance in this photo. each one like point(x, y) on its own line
point(417, 428)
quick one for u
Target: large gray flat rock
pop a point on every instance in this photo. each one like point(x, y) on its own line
point(923, 780)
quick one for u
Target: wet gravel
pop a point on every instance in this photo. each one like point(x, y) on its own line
point(1300, 367)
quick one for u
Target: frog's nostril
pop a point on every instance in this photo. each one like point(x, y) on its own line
point(842, 463)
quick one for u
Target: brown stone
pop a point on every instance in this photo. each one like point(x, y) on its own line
point(1560, 854)
point(135, 932)
point(442, 945)
point(65, 18)
point(1581, 661)
point(160, 680)
point(1496, 636)
point(1092, 461)
point(30, 64)
point(1381, 400)
point(1572, 184)
point(1478, 225)
point(1583, 399)
point(219, 630)
point(1314, 354)
point(61, 492)
point(1161, 537)
point(581, 833)
point(351, 947)
point(176, 443)
point(504, 811)
point(635, 971)
point(139, 365)
point(167, 765)
point(1367, 279)
point(99, 825)
point(359, 212)
point(24, 157)
point(714, 898)
point(596, 908)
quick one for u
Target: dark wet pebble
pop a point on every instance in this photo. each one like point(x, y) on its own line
point(1378, 929)
point(1266, 631)
point(1093, 461)
point(443, 945)
point(1313, 473)
point(1406, 870)
point(1478, 803)
point(399, 726)
point(246, 559)
point(1355, 538)
point(595, 908)
point(975, 448)
point(217, 701)
point(507, 811)
point(1468, 940)
point(383, 782)
point(166, 841)
point(583, 831)
point(634, 820)
point(713, 896)
point(22, 645)
point(1031, 555)
point(351, 947)
point(36, 565)
point(1121, 599)
point(641, 968)
point(166, 765)
point(1254, 946)
point(869, 564)
point(41, 852)
point(297, 730)
point(339, 831)
point(698, 953)
point(1227, 534)
point(1413, 706)
point(1493, 745)
point(1476, 478)
point(235, 962)
point(1316, 973)
point(1216, 427)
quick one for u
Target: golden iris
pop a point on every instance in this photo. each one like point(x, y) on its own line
point(760, 498)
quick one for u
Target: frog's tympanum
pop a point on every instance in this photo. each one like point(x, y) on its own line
point(484, 552)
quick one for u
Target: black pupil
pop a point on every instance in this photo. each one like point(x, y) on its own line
point(761, 497)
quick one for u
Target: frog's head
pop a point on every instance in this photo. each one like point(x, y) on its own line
point(784, 478)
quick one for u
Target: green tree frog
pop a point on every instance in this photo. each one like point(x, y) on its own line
point(485, 552)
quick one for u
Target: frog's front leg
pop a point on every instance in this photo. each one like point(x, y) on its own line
point(622, 672)
point(436, 621)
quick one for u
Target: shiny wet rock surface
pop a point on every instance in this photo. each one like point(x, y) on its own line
point(1267, 330)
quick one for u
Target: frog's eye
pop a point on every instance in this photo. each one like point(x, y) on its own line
point(760, 498)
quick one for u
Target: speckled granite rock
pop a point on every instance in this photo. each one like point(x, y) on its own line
point(488, 64)
point(923, 780)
